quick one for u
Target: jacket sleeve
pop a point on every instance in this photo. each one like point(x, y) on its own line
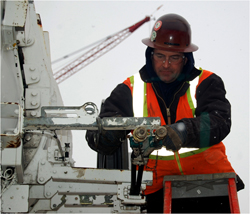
point(118, 104)
point(213, 115)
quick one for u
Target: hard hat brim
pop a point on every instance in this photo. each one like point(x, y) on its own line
point(190, 48)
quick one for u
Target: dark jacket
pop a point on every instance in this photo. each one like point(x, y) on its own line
point(211, 124)
point(213, 114)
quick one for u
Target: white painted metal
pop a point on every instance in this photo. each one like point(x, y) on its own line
point(15, 13)
point(77, 188)
point(61, 173)
point(37, 176)
point(16, 199)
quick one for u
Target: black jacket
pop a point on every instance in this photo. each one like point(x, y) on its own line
point(213, 113)
point(211, 124)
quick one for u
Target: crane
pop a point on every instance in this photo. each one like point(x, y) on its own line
point(96, 52)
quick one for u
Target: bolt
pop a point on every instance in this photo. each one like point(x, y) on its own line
point(9, 33)
point(60, 186)
point(198, 191)
point(54, 171)
point(41, 179)
point(33, 77)
point(161, 132)
point(32, 68)
point(33, 103)
point(23, 197)
point(43, 162)
point(34, 93)
point(16, 111)
point(27, 137)
point(33, 113)
point(140, 134)
point(48, 193)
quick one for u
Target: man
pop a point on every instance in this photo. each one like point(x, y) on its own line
point(166, 77)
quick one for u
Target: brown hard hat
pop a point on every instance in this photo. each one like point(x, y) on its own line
point(171, 32)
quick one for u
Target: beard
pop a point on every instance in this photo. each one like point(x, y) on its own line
point(167, 75)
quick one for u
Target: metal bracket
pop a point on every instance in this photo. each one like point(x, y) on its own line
point(32, 74)
point(8, 40)
point(33, 99)
point(60, 173)
point(22, 40)
point(126, 198)
point(15, 13)
point(16, 199)
point(84, 118)
point(11, 125)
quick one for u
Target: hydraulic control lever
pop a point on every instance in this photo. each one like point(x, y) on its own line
point(143, 143)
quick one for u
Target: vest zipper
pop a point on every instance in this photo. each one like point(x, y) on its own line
point(168, 109)
point(176, 153)
point(174, 97)
point(169, 116)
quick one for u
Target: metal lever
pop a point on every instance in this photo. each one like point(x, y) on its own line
point(84, 118)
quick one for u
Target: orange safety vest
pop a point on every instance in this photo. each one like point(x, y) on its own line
point(207, 160)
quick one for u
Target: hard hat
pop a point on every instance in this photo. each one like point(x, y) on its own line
point(171, 32)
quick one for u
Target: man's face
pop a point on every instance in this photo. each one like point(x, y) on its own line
point(168, 65)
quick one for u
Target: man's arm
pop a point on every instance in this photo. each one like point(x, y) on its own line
point(118, 104)
point(213, 115)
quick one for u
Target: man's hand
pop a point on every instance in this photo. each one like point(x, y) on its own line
point(176, 136)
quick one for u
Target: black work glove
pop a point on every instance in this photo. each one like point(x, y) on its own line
point(176, 136)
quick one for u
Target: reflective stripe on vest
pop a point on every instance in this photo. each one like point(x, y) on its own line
point(138, 96)
point(206, 160)
point(142, 102)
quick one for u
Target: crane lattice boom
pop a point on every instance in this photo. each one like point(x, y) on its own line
point(96, 52)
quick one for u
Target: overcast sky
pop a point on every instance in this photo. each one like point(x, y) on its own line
point(219, 28)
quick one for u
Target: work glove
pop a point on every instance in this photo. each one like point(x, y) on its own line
point(176, 136)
